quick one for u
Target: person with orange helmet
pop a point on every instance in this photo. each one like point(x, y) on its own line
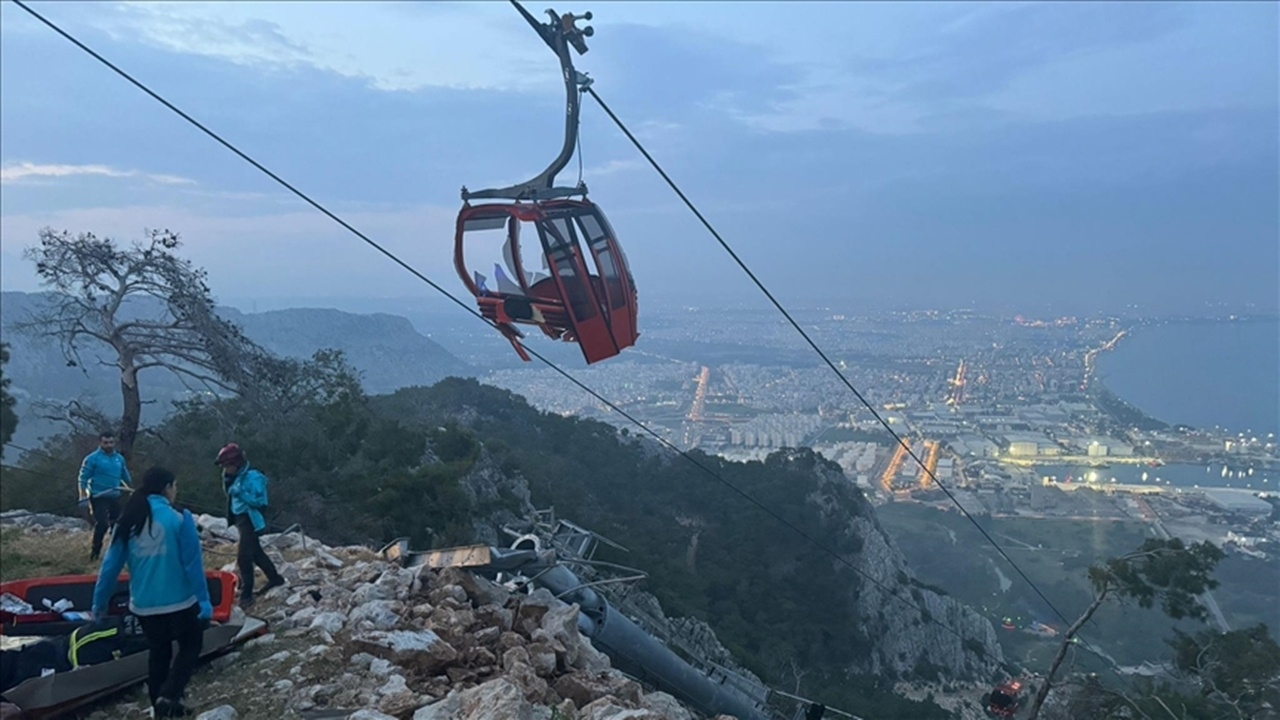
point(246, 490)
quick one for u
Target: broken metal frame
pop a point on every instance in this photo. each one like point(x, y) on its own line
point(633, 640)
point(632, 650)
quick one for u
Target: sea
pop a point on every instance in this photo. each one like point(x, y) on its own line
point(1203, 374)
point(1239, 477)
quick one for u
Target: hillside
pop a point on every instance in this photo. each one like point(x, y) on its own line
point(448, 464)
point(768, 593)
point(386, 349)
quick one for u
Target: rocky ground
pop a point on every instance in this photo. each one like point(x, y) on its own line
point(352, 636)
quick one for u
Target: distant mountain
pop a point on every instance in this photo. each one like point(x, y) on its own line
point(386, 349)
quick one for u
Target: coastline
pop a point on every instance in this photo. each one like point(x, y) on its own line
point(1121, 410)
point(1191, 356)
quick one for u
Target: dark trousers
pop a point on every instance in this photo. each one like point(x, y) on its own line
point(104, 511)
point(162, 630)
point(250, 553)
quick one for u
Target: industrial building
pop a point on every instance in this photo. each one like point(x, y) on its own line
point(1238, 501)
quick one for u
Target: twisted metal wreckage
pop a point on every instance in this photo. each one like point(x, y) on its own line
point(539, 557)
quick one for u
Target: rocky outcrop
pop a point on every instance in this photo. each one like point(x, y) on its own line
point(40, 522)
point(933, 637)
point(505, 494)
point(432, 645)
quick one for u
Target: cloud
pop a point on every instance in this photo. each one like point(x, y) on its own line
point(383, 44)
point(949, 70)
point(295, 252)
point(247, 41)
point(27, 171)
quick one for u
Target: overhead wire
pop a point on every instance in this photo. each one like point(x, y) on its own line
point(827, 360)
point(438, 288)
point(817, 349)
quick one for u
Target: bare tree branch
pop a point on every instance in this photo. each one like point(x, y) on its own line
point(153, 309)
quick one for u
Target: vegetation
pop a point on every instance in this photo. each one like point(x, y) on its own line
point(24, 555)
point(150, 309)
point(1123, 414)
point(1214, 676)
point(770, 597)
point(1167, 571)
point(8, 417)
point(355, 468)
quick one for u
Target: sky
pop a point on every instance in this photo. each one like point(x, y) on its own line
point(1014, 157)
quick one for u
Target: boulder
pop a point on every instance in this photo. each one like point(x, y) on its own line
point(420, 649)
point(367, 714)
point(531, 608)
point(481, 590)
point(394, 684)
point(585, 688)
point(542, 658)
point(445, 592)
point(608, 708)
point(222, 712)
point(535, 689)
point(562, 624)
point(498, 699)
point(508, 640)
point(495, 616)
point(330, 622)
point(367, 592)
point(380, 614)
point(665, 706)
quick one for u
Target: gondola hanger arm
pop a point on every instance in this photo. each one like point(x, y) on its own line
point(560, 34)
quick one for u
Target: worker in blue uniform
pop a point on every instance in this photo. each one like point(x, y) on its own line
point(246, 489)
point(103, 474)
point(168, 591)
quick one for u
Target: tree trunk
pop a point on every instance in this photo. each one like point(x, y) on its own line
point(1043, 692)
point(132, 415)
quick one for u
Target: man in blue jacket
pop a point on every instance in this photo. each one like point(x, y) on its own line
point(102, 474)
point(246, 490)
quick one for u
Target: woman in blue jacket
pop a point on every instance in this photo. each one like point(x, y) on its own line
point(168, 591)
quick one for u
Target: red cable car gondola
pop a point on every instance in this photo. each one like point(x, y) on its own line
point(1003, 700)
point(583, 291)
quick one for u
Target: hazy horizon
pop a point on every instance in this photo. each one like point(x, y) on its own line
point(1018, 158)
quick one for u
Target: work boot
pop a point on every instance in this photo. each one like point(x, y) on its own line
point(246, 602)
point(275, 582)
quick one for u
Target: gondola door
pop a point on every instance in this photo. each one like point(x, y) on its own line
point(569, 271)
point(618, 291)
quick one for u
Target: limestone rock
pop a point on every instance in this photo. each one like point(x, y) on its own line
point(665, 706)
point(530, 609)
point(497, 699)
point(420, 649)
point(222, 712)
point(379, 614)
point(608, 708)
point(585, 688)
point(367, 714)
point(542, 658)
point(330, 622)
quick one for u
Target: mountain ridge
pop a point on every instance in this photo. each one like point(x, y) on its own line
point(387, 350)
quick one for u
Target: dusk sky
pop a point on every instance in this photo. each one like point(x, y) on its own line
point(1008, 156)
